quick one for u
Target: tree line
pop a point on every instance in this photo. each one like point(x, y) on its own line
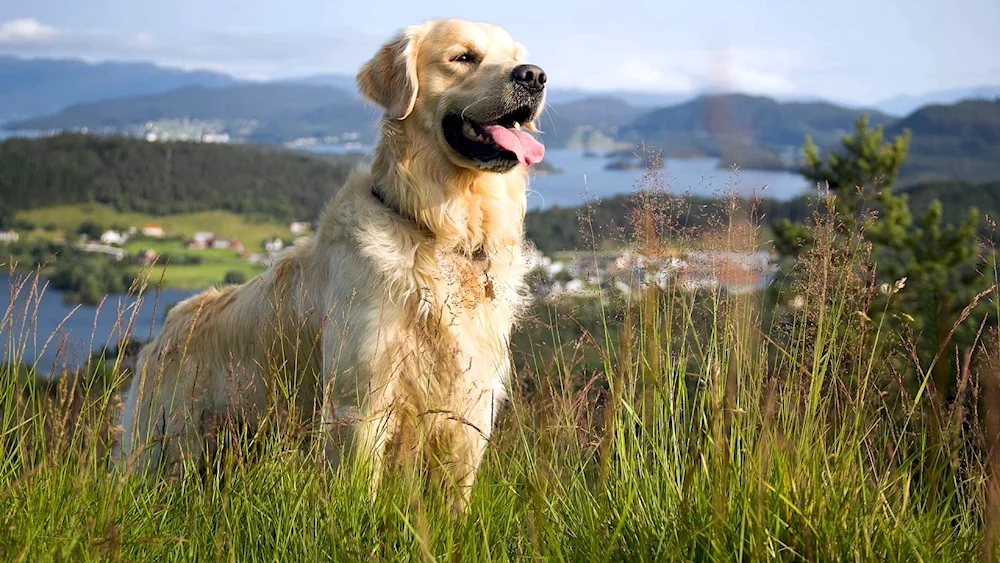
point(166, 178)
point(608, 222)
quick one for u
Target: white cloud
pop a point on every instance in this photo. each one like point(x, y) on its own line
point(593, 62)
point(643, 73)
point(244, 53)
point(25, 30)
point(143, 40)
point(756, 71)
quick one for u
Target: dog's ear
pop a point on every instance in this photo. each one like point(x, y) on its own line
point(390, 77)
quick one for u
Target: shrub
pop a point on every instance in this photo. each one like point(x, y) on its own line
point(235, 277)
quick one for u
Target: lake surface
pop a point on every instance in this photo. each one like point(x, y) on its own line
point(31, 314)
point(583, 179)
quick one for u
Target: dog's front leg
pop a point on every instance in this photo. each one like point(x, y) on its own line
point(357, 419)
point(362, 433)
point(462, 436)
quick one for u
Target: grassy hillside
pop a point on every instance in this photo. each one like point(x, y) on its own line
point(180, 267)
point(610, 221)
point(713, 428)
point(57, 221)
point(663, 423)
point(167, 178)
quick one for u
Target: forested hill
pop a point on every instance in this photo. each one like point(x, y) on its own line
point(609, 221)
point(713, 122)
point(166, 178)
point(958, 141)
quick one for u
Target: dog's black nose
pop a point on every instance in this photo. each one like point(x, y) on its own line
point(532, 77)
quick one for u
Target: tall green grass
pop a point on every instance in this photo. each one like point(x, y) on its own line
point(713, 426)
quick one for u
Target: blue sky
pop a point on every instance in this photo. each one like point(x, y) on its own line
point(852, 51)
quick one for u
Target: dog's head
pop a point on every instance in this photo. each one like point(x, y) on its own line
point(463, 86)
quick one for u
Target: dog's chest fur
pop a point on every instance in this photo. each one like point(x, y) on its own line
point(434, 334)
point(460, 305)
point(467, 280)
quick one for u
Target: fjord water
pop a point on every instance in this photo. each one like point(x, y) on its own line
point(582, 179)
point(37, 327)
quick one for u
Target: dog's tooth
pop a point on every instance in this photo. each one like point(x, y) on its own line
point(468, 131)
point(517, 126)
point(530, 126)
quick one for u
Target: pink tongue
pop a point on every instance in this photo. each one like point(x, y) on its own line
point(527, 149)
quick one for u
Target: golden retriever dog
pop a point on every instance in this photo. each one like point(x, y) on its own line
point(402, 304)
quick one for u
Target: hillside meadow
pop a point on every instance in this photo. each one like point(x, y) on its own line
point(210, 265)
point(58, 221)
point(662, 424)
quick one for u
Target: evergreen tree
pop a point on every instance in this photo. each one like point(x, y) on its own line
point(234, 277)
point(935, 276)
point(947, 274)
point(6, 217)
point(868, 163)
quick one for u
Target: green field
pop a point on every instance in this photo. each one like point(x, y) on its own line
point(200, 276)
point(215, 264)
point(56, 222)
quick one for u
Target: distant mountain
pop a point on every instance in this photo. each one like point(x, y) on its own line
point(555, 96)
point(347, 115)
point(634, 98)
point(342, 81)
point(950, 142)
point(599, 111)
point(908, 103)
point(271, 112)
point(977, 121)
point(587, 122)
point(283, 111)
point(33, 87)
point(714, 125)
point(953, 142)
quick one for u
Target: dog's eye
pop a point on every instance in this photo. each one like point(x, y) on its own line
point(464, 58)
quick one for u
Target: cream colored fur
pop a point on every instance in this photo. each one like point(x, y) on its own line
point(406, 327)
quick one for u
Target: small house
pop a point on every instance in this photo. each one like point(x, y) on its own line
point(152, 231)
point(201, 239)
point(113, 237)
point(298, 227)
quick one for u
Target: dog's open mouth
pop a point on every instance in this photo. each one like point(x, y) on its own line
point(500, 139)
